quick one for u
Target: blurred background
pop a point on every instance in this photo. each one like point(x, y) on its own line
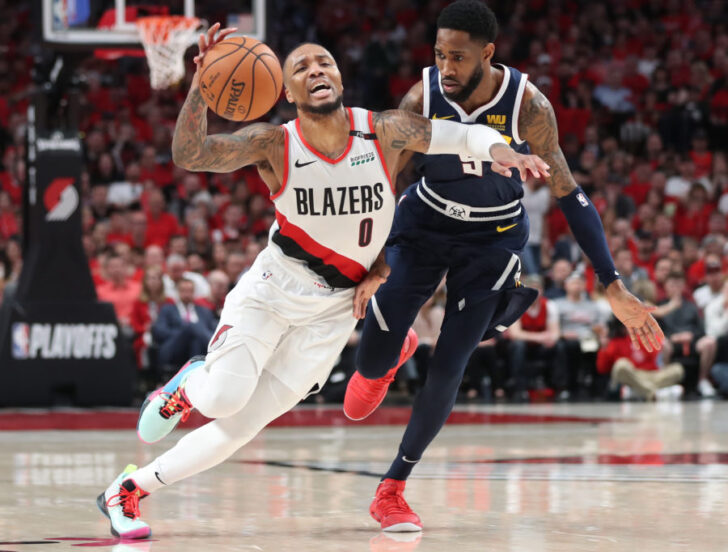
point(100, 312)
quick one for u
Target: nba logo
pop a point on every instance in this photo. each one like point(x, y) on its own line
point(21, 340)
point(581, 198)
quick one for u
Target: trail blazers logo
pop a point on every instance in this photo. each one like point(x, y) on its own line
point(60, 199)
point(219, 338)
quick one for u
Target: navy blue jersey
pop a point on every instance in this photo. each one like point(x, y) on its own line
point(463, 179)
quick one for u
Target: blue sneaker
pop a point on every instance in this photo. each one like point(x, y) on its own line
point(167, 406)
point(120, 503)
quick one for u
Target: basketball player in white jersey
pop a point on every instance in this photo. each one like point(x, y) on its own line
point(290, 315)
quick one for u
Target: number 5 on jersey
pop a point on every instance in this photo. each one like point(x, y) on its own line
point(471, 165)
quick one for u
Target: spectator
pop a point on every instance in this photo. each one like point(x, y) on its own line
point(118, 227)
point(153, 256)
point(98, 202)
point(233, 221)
point(219, 287)
point(628, 272)
point(161, 225)
point(631, 365)
point(182, 329)
point(119, 290)
point(13, 260)
point(536, 201)
point(8, 219)
point(679, 185)
point(177, 245)
point(581, 324)
point(145, 311)
point(716, 326)
point(235, 266)
point(176, 271)
point(680, 320)
point(138, 228)
point(199, 241)
point(560, 271)
point(196, 264)
point(693, 214)
point(663, 267)
point(123, 193)
point(612, 95)
point(714, 278)
point(532, 338)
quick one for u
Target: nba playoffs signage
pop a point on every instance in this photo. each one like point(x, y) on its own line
point(77, 341)
point(59, 343)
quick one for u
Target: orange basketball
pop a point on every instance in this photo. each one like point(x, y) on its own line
point(241, 78)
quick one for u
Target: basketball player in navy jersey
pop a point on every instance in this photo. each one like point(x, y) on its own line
point(462, 220)
point(288, 318)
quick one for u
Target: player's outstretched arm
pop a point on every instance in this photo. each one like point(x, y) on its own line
point(537, 125)
point(399, 130)
point(194, 150)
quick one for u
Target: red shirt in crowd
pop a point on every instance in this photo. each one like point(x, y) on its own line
point(535, 320)
point(693, 223)
point(8, 225)
point(161, 175)
point(703, 162)
point(122, 297)
point(622, 347)
point(160, 229)
point(9, 185)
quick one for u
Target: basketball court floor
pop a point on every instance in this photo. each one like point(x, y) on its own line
point(514, 478)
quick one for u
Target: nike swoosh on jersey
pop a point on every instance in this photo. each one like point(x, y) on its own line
point(299, 164)
point(504, 228)
point(436, 118)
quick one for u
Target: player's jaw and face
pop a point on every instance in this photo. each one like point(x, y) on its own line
point(462, 62)
point(312, 80)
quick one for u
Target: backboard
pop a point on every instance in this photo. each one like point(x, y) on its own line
point(90, 24)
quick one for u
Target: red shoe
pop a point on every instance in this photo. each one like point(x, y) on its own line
point(391, 509)
point(363, 395)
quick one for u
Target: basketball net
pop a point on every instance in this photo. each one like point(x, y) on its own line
point(165, 40)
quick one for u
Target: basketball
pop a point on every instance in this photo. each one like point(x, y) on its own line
point(241, 78)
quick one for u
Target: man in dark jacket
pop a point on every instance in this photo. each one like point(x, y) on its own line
point(183, 328)
point(680, 320)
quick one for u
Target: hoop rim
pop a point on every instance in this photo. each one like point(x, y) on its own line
point(149, 25)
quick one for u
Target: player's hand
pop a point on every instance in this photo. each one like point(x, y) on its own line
point(208, 40)
point(368, 287)
point(636, 317)
point(505, 158)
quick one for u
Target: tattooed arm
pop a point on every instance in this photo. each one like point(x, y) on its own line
point(260, 144)
point(194, 150)
point(399, 130)
point(405, 170)
point(537, 126)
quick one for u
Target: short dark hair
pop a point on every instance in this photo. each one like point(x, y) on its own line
point(471, 16)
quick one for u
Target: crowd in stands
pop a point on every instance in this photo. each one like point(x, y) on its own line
point(640, 91)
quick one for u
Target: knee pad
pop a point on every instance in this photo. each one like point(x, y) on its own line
point(227, 385)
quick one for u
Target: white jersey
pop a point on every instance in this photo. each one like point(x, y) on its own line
point(334, 214)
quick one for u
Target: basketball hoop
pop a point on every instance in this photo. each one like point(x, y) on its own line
point(165, 40)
